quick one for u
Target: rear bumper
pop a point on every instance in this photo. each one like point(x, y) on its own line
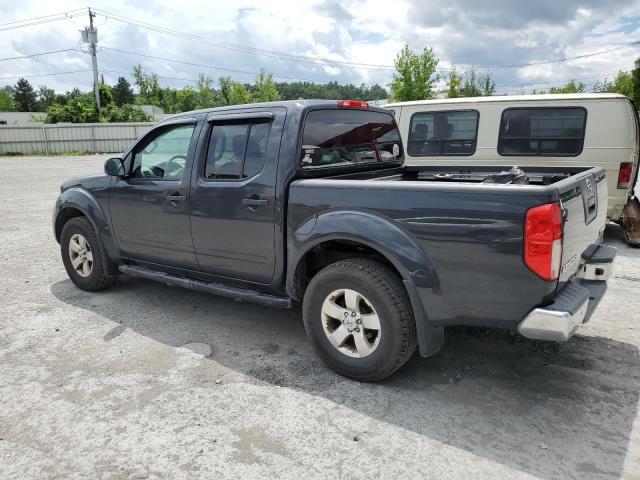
point(574, 304)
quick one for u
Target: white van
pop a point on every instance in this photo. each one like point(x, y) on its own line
point(575, 130)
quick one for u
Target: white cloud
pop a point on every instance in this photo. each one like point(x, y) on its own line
point(461, 32)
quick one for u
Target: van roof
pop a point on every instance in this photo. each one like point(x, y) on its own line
point(511, 98)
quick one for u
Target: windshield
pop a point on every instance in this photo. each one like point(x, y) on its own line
point(349, 137)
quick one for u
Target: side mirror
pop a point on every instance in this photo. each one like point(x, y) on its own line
point(114, 167)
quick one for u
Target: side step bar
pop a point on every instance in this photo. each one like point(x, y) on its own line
point(236, 293)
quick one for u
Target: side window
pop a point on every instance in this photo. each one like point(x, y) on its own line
point(542, 131)
point(236, 151)
point(443, 133)
point(164, 156)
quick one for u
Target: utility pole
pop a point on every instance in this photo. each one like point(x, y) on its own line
point(90, 36)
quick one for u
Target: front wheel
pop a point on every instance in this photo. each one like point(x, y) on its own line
point(359, 319)
point(82, 256)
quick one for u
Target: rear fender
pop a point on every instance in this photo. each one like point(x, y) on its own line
point(387, 238)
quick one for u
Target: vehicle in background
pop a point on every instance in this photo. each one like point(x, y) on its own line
point(309, 201)
point(552, 130)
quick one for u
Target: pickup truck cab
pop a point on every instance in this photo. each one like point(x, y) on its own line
point(309, 201)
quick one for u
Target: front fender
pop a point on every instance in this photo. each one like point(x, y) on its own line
point(390, 240)
point(78, 199)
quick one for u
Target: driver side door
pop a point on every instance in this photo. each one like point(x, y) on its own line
point(150, 207)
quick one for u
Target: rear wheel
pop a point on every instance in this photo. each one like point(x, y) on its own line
point(359, 319)
point(82, 255)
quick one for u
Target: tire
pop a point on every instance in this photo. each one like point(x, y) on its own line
point(91, 277)
point(379, 293)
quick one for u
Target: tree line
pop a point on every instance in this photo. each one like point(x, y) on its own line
point(415, 78)
point(118, 101)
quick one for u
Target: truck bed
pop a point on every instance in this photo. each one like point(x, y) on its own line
point(472, 232)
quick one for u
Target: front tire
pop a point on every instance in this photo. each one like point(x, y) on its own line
point(82, 257)
point(358, 318)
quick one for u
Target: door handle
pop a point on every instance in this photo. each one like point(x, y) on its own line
point(255, 202)
point(176, 197)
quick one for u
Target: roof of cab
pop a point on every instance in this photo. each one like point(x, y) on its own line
point(511, 98)
point(288, 104)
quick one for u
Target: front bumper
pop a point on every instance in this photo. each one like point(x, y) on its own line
point(575, 303)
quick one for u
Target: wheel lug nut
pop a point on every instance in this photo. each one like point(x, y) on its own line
point(357, 329)
point(358, 321)
point(353, 314)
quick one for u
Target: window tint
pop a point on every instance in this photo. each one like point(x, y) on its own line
point(164, 157)
point(443, 133)
point(347, 137)
point(256, 148)
point(542, 131)
point(236, 150)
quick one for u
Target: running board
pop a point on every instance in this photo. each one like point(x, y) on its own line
point(236, 293)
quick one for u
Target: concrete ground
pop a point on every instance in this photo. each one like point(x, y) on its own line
point(146, 381)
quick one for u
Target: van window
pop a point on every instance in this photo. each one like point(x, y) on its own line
point(542, 131)
point(348, 137)
point(443, 133)
point(236, 150)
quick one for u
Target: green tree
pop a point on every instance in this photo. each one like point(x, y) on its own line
point(206, 94)
point(454, 83)
point(622, 84)
point(6, 99)
point(265, 88)
point(233, 93)
point(415, 75)
point(571, 87)
point(149, 91)
point(24, 96)
point(487, 85)
point(240, 94)
point(46, 98)
point(122, 92)
point(106, 94)
point(635, 75)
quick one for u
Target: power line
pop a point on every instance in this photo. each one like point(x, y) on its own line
point(556, 81)
point(157, 76)
point(46, 74)
point(41, 20)
point(241, 48)
point(42, 17)
point(213, 67)
point(41, 53)
point(325, 61)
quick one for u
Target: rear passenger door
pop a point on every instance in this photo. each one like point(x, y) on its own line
point(233, 194)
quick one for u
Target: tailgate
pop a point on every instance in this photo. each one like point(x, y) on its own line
point(584, 203)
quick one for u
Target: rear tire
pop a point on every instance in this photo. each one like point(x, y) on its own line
point(358, 317)
point(82, 256)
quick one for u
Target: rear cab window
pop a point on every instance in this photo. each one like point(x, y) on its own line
point(335, 138)
point(236, 150)
point(542, 131)
point(453, 132)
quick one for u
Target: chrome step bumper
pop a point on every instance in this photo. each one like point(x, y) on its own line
point(575, 303)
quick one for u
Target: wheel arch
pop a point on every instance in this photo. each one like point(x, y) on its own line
point(77, 202)
point(373, 236)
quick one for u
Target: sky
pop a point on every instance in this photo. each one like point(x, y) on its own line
point(325, 40)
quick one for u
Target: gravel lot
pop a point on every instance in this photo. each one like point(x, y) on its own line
point(147, 381)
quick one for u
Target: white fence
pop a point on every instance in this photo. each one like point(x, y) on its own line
point(77, 137)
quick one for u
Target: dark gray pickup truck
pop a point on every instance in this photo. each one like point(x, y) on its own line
point(309, 201)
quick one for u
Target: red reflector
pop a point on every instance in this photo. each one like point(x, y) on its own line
point(352, 104)
point(624, 175)
point(543, 240)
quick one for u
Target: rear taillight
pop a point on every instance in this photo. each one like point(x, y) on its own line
point(352, 104)
point(543, 240)
point(624, 175)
